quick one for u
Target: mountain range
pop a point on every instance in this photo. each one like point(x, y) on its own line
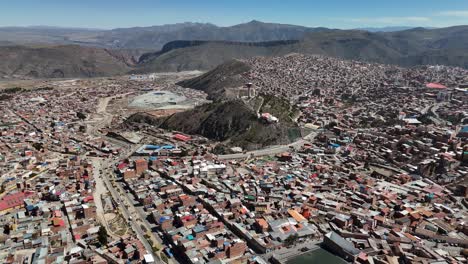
point(155, 37)
point(59, 52)
point(388, 29)
point(447, 46)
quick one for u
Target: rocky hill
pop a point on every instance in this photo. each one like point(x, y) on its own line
point(180, 44)
point(233, 122)
point(217, 81)
point(62, 62)
point(205, 55)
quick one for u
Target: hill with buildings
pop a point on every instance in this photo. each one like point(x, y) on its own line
point(234, 122)
point(296, 75)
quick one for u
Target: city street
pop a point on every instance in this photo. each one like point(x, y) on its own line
point(100, 119)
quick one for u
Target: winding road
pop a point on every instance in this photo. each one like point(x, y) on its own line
point(272, 150)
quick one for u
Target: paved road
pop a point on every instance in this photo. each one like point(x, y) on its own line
point(140, 215)
point(434, 109)
point(426, 109)
point(123, 208)
point(270, 151)
point(103, 118)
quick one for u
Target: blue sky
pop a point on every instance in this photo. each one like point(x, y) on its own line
point(328, 13)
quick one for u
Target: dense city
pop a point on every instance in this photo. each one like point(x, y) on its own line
point(380, 177)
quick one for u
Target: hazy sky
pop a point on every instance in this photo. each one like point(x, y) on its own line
point(327, 13)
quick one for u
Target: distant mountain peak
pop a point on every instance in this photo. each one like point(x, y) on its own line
point(393, 29)
point(252, 22)
point(195, 24)
point(419, 29)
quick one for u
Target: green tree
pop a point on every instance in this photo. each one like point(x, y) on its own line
point(290, 240)
point(38, 145)
point(6, 229)
point(102, 235)
point(137, 254)
point(164, 258)
point(81, 115)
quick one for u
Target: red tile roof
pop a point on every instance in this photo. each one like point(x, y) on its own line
point(436, 86)
point(122, 166)
point(88, 198)
point(58, 222)
point(181, 137)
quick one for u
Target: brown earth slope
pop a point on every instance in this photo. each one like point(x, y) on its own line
point(232, 121)
point(61, 62)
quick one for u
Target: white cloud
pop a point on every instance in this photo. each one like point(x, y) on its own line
point(454, 13)
point(391, 20)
